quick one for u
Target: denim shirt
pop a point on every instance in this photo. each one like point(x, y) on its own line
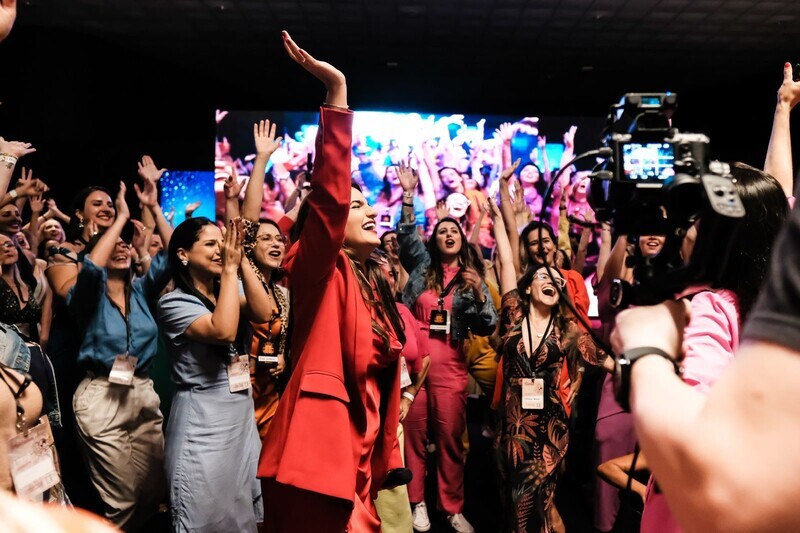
point(105, 332)
point(468, 314)
point(16, 354)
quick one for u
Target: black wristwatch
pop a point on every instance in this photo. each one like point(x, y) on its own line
point(622, 371)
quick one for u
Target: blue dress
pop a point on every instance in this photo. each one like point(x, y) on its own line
point(212, 444)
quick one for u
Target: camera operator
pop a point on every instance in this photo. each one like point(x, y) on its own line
point(710, 455)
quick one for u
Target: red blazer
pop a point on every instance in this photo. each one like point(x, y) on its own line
point(315, 440)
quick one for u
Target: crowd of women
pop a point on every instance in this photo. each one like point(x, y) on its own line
point(320, 363)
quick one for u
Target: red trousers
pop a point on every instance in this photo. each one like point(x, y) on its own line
point(444, 414)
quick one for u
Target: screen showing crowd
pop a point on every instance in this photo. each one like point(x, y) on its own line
point(461, 155)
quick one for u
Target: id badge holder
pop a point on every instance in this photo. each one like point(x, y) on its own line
point(239, 374)
point(405, 378)
point(532, 393)
point(123, 370)
point(440, 322)
point(30, 458)
point(267, 354)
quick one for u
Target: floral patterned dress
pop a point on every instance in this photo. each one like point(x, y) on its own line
point(531, 443)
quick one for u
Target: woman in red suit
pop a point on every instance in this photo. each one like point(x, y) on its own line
point(330, 445)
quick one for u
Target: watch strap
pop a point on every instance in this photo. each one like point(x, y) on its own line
point(622, 378)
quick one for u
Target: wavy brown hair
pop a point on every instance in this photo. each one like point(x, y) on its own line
point(467, 258)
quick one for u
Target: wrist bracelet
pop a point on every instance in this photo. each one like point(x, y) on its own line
point(408, 194)
point(334, 106)
point(13, 193)
point(8, 159)
point(145, 257)
point(407, 395)
point(408, 205)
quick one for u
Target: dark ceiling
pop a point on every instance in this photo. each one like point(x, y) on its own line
point(102, 65)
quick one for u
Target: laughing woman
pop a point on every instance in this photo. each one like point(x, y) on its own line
point(116, 409)
point(330, 446)
point(265, 247)
point(536, 335)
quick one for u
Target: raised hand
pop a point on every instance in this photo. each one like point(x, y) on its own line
point(120, 204)
point(139, 238)
point(220, 115)
point(569, 137)
point(441, 210)
point(541, 142)
point(329, 75)
point(789, 91)
point(8, 13)
point(191, 208)
point(490, 208)
point(148, 169)
point(37, 203)
point(15, 148)
point(264, 137)
point(232, 246)
point(232, 186)
point(148, 193)
point(28, 186)
point(505, 132)
point(508, 173)
point(408, 177)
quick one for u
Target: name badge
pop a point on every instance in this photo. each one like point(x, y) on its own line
point(123, 370)
point(405, 378)
point(533, 393)
point(239, 374)
point(386, 220)
point(267, 354)
point(440, 322)
point(30, 455)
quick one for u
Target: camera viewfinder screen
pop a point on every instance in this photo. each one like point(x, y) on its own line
point(651, 162)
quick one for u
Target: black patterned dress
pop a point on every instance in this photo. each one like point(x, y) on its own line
point(531, 443)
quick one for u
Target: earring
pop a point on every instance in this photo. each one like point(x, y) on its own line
point(80, 223)
point(184, 262)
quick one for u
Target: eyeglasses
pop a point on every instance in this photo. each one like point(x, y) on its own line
point(269, 238)
point(124, 245)
point(544, 276)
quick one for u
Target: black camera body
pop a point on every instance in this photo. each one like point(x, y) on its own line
point(657, 181)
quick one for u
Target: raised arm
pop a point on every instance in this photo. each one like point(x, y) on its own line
point(323, 230)
point(266, 144)
point(10, 151)
point(779, 153)
point(232, 189)
point(412, 250)
point(507, 210)
point(505, 254)
point(148, 196)
point(37, 206)
point(220, 326)
point(102, 251)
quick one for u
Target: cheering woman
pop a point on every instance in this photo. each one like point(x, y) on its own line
point(330, 444)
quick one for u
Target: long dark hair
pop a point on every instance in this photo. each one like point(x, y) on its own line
point(379, 303)
point(525, 257)
point(385, 305)
point(467, 258)
point(183, 237)
point(75, 227)
point(561, 310)
point(747, 242)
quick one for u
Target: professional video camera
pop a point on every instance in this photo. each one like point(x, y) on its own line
point(658, 181)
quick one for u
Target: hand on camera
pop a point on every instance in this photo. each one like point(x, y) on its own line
point(660, 326)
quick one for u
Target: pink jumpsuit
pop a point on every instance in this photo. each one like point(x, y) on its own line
point(445, 414)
